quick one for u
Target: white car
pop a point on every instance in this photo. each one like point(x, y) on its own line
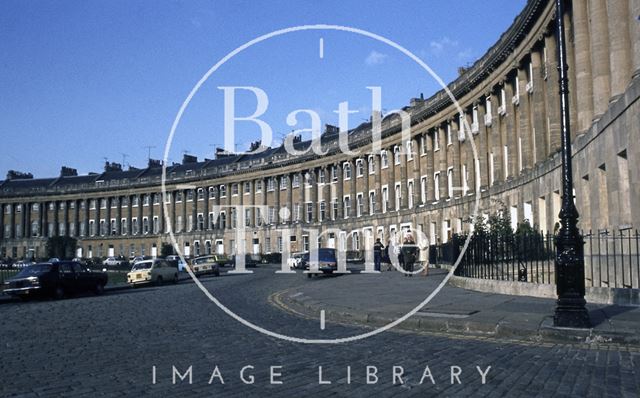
point(294, 261)
point(156, 271)
point(112, 262)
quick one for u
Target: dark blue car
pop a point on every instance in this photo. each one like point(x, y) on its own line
point(327, 261)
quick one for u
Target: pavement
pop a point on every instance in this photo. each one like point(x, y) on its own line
point(131, 342)
point(377, 299)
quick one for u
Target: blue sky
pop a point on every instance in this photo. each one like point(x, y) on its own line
point(81, 81)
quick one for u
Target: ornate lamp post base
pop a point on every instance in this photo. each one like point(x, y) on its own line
point(571, 313)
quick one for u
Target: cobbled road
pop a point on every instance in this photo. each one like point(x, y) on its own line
point(110, 345)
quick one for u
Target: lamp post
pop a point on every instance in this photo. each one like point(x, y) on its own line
point(570, 307)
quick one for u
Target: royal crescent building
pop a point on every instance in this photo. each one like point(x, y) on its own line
point(509, 107)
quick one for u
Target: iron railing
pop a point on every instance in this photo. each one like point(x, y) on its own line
point(612, 258)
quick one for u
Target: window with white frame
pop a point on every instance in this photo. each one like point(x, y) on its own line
point(334, 174)
point(372, 202)
point(347, 170)
point(190, 195)
point(309, 211)
point(398, 191)
point(212, 192)
point(423, 189)
point(359, 205)
point(359, 168)
point(271, 183)
point(449, 134)
point(284, 180)
point(223, 191)
point(371, 164)
point(385, 199)
point(396, 154)
point(156, 225)
point(200, 195)
point(410, 194)
point(436, 140)
point(436, 186)
point(296, 181)
point(247, 187)
point(234, 189)
point(347, 206)
point(259, 186)
point(423, 145)
point(323, 209)
point(322, 176)
point(384, 159)
point(334, 209)
point(410, 150)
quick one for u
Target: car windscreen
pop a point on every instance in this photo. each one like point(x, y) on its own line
point(202, 260)
point(33, 270)
point(142, 265)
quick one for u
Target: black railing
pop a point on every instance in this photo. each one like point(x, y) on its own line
point(612, 258)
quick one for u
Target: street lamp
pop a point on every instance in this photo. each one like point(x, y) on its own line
point(570, 307)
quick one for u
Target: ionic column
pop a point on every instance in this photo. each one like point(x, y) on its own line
point(600, 53)
point(620, 45)
point(276, 201)
point(378, 183)
point(524, 113)
point(65, 217)
point(511, 134)
point(404, 197)
point(26, 214)
point(107, 216)
point(584, 84)
point(229, 211)
point(391, 179)
point(352, 189)
point(56, 222)
point(482, 148)
point(538, 111)
point(315, 196)
point(290, 197)
point(205, 212)
point(85, 220)
point(340, 193)
point(2, 221)
point(634, 33)
point(552, 97)
point(141, 214)
point(365, 194)
point(118, 200)
point(76, 217)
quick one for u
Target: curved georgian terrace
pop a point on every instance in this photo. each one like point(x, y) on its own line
point(510, 102)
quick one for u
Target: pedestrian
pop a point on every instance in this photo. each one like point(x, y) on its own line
point(409, 253)
point(378, 249)
point(387, 257)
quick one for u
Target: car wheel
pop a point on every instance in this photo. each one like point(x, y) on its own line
point(99, 289)
point(175, 279)
point(309, 275)
point(217, 272)
point(159, 281)
point(58, 293)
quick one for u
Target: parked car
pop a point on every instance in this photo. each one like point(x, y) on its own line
point(249, 260)
point(53, 260)
point(137, 259)
point(354, 256)
point(156, 271)
point(271, 258)
point(295, 261)
point(327, 261)
point(114, 262)
point(175, 259)
point(22, 264)
point(56, 280)
point(205, 265)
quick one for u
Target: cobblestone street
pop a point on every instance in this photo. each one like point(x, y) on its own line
point(109, 345)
